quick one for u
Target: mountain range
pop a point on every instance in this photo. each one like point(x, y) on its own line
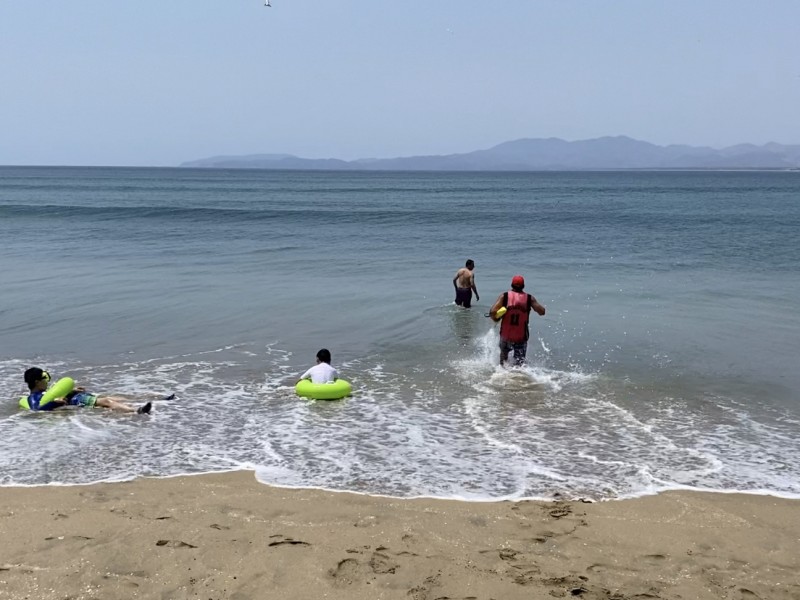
point(542, 154)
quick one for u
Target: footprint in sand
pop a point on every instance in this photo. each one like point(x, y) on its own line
point(381, 564)
point(559, 511)
point(522, 571)
point(174, 544)
point(286, 541)
point(654, 558)
point(117, 581)
point(609, 568)
point(424, 591)
point(346, 572)
point(570, 585)
point(350, 570)
point(527, 578)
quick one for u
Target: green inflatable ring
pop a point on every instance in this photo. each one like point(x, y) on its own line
point(59, 389)
point(323, 391)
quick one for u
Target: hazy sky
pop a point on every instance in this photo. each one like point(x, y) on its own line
point(146, 82)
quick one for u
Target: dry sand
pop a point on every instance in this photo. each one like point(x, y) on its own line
point(228, 537)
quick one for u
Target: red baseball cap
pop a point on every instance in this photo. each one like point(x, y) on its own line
point(518, 281)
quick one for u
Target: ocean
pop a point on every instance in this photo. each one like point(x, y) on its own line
point(668, 357)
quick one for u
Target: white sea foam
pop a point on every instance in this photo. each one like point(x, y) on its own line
point(465, 429)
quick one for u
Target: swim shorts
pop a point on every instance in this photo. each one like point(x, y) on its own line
point(520, 349)
point(464, 297)
point(83, 399)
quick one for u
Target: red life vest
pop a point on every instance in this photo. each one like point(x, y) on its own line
point(514, 327)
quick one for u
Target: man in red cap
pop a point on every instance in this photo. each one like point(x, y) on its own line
point(514, 326)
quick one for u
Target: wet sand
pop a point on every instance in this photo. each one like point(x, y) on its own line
point(226, 536)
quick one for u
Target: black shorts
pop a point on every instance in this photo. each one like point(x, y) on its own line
point(520, 349)
point(464, 297)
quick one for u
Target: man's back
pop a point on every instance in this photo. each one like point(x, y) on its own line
point(464, 278)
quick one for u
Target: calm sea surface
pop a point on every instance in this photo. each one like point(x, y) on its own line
point(668, 357)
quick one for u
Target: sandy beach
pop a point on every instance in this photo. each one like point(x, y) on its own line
point(226, 536)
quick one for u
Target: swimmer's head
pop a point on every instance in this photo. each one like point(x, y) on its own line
point(37, 378)
point(324, 355)
point(470, 264)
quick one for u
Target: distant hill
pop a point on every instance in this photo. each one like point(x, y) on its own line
point(550, 154)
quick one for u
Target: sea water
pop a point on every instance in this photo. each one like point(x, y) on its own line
point(668, 357)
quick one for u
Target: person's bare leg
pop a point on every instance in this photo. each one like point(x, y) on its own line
point(120, 405)
point(114, 404)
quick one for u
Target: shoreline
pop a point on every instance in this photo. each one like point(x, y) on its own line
point(310, 488)
point(226, 535)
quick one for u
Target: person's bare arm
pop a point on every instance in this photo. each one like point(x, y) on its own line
point(497, 306)
point(540, 310)
point(472, 285)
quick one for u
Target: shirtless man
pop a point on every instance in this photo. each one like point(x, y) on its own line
point(464, 282)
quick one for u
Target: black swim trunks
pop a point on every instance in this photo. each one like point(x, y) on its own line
point(464, 297)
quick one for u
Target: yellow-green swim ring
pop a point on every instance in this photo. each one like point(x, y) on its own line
point(323, 391)
point(59, 389)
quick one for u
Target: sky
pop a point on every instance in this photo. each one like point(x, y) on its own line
point(160, 82)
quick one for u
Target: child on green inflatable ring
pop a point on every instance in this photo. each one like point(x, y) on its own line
point(38, 380)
